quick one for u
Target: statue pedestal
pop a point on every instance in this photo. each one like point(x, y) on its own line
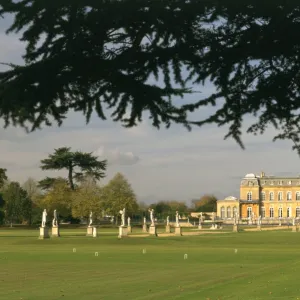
point(178, 230)
point(200, 227)
point(44, 233)
point(279, 223)
point(55, 231)
point(294, 228)
point(259, 227)
point(129, 230)
point(152, 230)
point(89, 231)
point(145, 228)
point(123, 232)
point(94, 232)
point(168, 229)
point(235, 228)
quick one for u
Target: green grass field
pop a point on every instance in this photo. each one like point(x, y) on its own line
point(266, 266)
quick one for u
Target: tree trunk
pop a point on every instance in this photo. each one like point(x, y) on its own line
point(70, 176)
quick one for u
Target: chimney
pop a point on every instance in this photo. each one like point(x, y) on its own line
point(262, 174)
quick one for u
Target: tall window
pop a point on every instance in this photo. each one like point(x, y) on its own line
point(222, 212)
point(234, 211)
point(289, 196)
point(263, 212)
point(249, 196)
point(289, 212)
point(298, 196)
point(271, 196)
point(263, 196)
point(228, 212)
point(249, 212)
point(280, 196)
point(280, 212)
point(271, 212)
point(298, 212)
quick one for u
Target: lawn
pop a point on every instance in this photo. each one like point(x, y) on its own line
point(265, 266)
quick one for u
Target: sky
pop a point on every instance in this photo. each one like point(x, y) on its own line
point(165, 164)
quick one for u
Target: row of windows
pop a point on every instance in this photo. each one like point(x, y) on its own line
point(280, 182)
point(271, 196)
point(228, 212)
point(280, 212)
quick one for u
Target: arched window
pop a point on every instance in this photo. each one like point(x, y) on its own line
point(249, 196)
point(271, 196)
point(298, 212)
point(249, 212)
point(271, 212)
point(289, 196)
point(234, 211)
point(289, 212)
point(280, 196)
point(222, 212)
point(263, 212)
point(263, 196)
point(298, 196)
point(228, 212)
point(280, 212)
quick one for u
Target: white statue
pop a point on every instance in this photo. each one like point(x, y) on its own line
point(122, 213)
point(128, 221)
point(177, 218)
point(54, 221)
point(112, 219)
point(44, 218)
point(168, 220)
point(213, 217)
point(259, 220)
point(151, 216)
point(188, 220)
point(91, 219)
point(234, 220)
point(145, 221)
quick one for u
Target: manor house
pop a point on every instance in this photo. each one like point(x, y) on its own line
point(268, 196)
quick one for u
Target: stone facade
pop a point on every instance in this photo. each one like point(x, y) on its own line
point(269, 196)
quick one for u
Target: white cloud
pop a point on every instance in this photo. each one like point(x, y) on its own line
point(116, 157)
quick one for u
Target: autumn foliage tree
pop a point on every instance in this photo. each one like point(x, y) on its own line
point(118, 194)
point(207, 203)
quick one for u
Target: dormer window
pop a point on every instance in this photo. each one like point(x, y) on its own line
point(289, 182)
point(280, 182)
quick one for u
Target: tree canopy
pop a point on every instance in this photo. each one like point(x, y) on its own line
point(136, 55)
point(206, 203)
point(78, 164)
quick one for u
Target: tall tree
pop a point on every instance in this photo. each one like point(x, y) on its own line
point(3, 177)
point(17, 203)
point(118, 194)
point(103, 53)
point(78, 164)
point(207, 203)
point(31, 188)
point(87, 198)
point(58, 197)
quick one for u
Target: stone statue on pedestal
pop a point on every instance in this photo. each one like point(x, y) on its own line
point(91, 219)
point(177, 219)
point(145, 221)
point(151, 211)
point(44, 218)
point(213, 217)
point(128, 221)
point(168, 220)
point(112, 219)
point(54, 221)
point(122, 213)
